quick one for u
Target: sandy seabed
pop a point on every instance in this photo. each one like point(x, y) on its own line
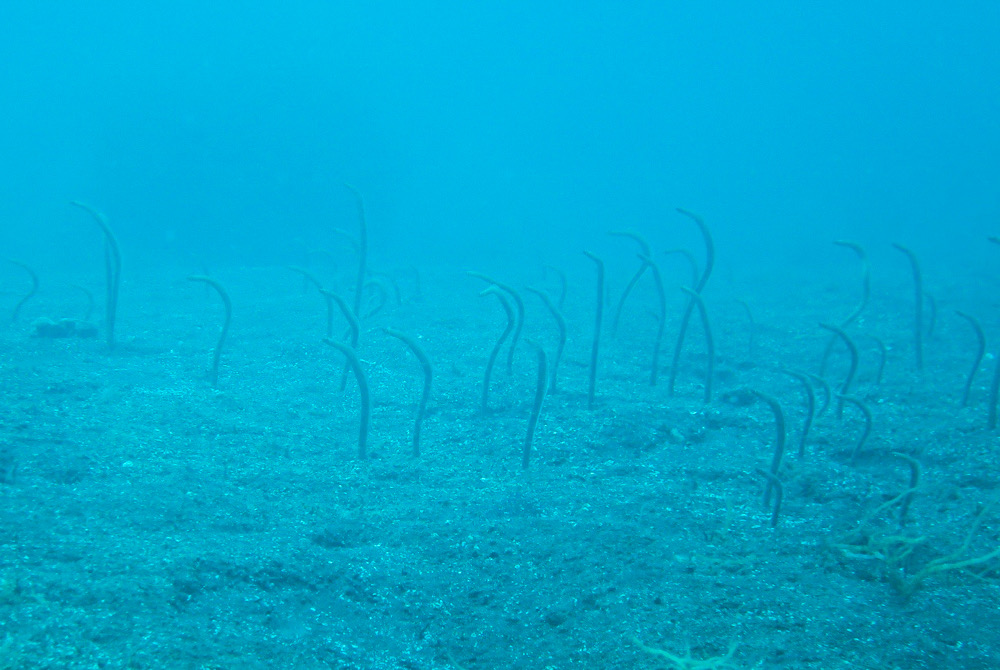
point(151, 520)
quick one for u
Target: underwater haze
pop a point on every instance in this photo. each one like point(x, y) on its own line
point(226, 129)
point(488, 335)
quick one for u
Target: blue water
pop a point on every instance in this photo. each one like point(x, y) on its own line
point(219, 138)
point(468, 126)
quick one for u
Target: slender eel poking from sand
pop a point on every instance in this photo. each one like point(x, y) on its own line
point(702, 280)
point(775, 485)
point(536, 407)
point(31, 292)
point(112, 271)
point(380, 291)
point(509, 311)
point(709, 341)
point(866, 431)
point(866, 290)
point(354, 328)
point(561, 324)
point(563, 283)
point(519, 305)
point(752, 331)
point(810, 406)
point(977, 359)
point(362, 240)
point(598, 320)
point(914, 464)
point(918, 308)
point(661, 302)
point(214, 375)
point(425, 364)
point(824, 386)
point(846, 386)
point(359, 374)
point(779, 440)
point(883, 356)
point(310, 278)
point(644, 252)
